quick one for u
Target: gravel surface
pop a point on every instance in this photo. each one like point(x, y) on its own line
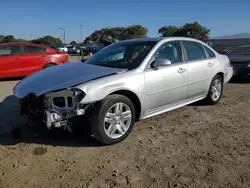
point(194, 146)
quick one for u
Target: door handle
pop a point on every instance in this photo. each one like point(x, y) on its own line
point(210, 64)
point(181, 70)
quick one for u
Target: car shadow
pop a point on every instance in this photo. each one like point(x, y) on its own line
point(15, 129)
point(198, 103)
point(238, 80)
point(11, 79)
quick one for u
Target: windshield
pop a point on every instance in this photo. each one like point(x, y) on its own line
point(242, 50)
point(126, 55)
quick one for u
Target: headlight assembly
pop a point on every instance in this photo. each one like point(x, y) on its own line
point(79, 94)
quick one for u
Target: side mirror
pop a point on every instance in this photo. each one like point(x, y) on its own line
point(161, 62)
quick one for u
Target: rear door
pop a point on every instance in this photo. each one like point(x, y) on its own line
point(10, 61)
point(34, 59)
point(201, 69)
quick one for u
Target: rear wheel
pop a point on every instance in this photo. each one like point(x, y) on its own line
point(113, 119)
point(215, 91)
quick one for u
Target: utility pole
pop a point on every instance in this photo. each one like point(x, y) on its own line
point(30, 36)
point(63, 34)
point(81, 32)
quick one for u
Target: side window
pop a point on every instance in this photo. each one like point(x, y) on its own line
point(34, 50)
point(194, 51)
point(10, 50)
point(210, 52)
point(171, 51)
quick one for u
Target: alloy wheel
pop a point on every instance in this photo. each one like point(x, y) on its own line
point(117, 120)
point(216, 89)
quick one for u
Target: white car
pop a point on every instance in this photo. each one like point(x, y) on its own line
point(127, 81)
point(64, 48)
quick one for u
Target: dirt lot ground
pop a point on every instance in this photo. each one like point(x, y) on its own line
point(195, 146)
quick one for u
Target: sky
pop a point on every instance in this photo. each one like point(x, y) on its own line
point(35, 18)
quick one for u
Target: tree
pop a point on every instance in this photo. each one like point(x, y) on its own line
point(194, 30)
point(47, 40)
point(1, 38)
point(135, 31)
point(8, 38)
point(197, 31)
point(88, 39)
point(21, 40)
point(73, 43)
point(118, 33)
point(168, 31)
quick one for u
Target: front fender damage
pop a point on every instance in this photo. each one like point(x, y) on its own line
point(55, 109)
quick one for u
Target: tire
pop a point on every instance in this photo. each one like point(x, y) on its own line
point(49, 65)
point(102, 128)
point(210, 99)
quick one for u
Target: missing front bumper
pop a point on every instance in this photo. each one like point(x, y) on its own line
point(55, 109)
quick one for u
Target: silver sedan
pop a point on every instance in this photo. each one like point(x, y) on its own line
point(125, 82)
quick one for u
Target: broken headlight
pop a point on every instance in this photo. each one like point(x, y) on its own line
point(79, 94)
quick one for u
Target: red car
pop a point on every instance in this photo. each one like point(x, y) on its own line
point(22, 59)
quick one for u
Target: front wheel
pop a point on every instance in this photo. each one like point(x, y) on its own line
point(113, 119)
point(215, 91)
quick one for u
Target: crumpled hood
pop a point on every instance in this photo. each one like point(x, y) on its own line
point(60, 77)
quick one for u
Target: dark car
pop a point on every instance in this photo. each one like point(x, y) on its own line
point(88, 50)
point(74, 50)
point(240, 60)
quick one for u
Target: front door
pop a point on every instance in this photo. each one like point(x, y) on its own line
point(166, 86)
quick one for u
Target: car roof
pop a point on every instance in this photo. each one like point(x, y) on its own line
point(157, 39)
point(23, 43)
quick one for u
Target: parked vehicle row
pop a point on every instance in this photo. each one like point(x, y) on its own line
point(74, 50)
point(125, 82)
point(64, 48)
point(22, 59)
point(88, 50)
point(81, 50)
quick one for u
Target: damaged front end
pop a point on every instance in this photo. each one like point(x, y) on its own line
point(55, 109)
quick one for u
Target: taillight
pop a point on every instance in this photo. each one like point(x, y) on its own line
point(66, 58)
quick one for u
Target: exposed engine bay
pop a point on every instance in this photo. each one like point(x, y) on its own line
point(55, 109)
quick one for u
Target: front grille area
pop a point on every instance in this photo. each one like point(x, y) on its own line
point(59, 102)
point(63, 102)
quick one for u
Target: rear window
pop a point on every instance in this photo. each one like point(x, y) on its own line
point(210, 52)
point(194, 50)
